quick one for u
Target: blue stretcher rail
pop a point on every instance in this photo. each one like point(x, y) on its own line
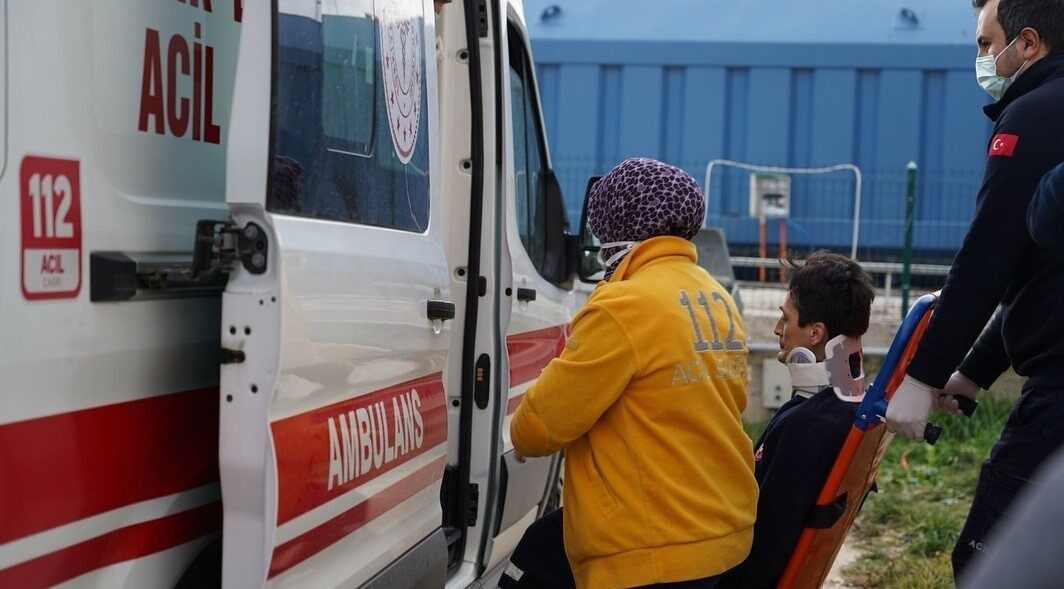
point(875, 399)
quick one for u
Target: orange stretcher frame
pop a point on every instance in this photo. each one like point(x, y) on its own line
point(855, 468)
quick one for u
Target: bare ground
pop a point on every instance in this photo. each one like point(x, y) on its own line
point(847, 555)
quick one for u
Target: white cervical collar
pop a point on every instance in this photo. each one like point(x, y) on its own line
point(808, 376)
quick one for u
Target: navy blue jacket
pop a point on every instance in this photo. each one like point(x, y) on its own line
point(1045, 215)
point(792, 458)
point(998, 263)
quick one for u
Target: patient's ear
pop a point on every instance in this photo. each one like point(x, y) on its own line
point(818, 333)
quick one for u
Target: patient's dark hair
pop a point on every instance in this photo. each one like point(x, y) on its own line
point(833, 290)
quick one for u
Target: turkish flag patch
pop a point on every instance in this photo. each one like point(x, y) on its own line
point(1003, 144)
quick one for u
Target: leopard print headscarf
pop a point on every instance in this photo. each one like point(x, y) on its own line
point(643, 198)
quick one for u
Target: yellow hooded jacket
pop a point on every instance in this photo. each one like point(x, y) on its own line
point(646, 400)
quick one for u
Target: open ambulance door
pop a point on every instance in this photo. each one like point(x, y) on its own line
point(516, 316)
point(336, 317)
point(534, 272)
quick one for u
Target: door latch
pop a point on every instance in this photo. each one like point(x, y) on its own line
point(219, 245)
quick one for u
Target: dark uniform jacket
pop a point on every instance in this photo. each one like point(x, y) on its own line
point(1045, 215)
point(792, 459)
point(998, 262)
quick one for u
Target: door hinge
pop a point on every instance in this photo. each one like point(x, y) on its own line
point(474, 501)
point(219, 245)
point(124, 276)
point(233, 356)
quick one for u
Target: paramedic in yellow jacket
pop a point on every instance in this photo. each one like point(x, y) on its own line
point(646, 401)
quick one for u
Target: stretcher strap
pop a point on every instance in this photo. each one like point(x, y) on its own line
point(823, 517)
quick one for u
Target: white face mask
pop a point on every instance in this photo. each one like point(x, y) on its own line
point(627, 247)
point(987, 77)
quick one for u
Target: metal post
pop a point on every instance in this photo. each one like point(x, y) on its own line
point(783, 248)
point(762, 245)
point(907, 253)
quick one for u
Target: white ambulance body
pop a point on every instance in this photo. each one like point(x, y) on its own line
point(276, 276)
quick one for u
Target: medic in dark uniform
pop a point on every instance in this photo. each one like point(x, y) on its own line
point(1021, 64)
point(1019, 541)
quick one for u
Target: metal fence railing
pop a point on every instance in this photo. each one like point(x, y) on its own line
point(823, 210)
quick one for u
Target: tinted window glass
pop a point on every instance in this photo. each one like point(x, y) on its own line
point(350, 114)
point(348, 97)
point(528, 150)
point(517, 91)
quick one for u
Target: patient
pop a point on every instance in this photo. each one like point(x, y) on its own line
point(823, 317)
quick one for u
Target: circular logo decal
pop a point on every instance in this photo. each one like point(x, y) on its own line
point(400, 34)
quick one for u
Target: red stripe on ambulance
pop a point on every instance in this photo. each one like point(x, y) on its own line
point(116, 546)
point(63, 468)
point(302, 547)
point(530, 352)
point(120, 454)
point(324, 453)
point(513, 403)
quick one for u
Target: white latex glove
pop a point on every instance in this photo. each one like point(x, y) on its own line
point(958, 385)
point(909, 407)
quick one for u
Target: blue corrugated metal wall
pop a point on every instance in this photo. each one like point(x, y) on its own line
point(788, 103)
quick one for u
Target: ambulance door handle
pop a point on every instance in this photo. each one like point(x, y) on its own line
point(526, 294)
point(440, 310)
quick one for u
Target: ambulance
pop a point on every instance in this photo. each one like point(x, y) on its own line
point(276, 275)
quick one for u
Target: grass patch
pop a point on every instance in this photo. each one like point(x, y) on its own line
point(906, 531)
point(754, 430)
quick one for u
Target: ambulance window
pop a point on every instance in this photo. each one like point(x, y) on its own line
point(347, 101)
point(528, 152)
point(340, 151)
